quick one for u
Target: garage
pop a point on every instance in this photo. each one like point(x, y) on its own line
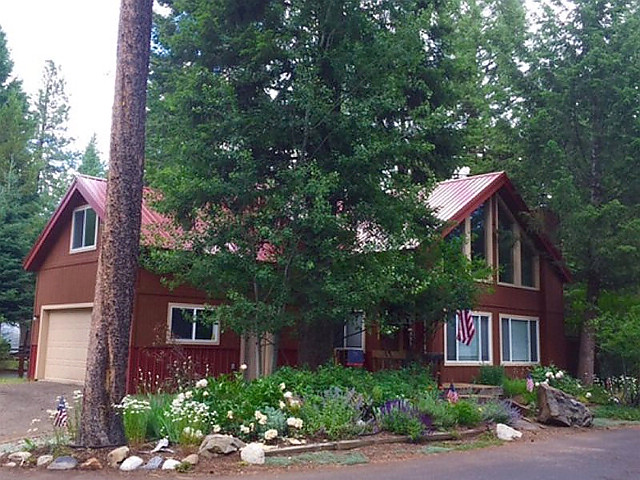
point(65, 339)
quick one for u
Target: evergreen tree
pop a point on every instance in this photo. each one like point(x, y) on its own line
point(91, 163)
point(297, 141)
point(52, 145)
point(19, 219)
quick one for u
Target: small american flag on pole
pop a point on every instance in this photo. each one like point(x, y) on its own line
point(60, 418)
point(466, 328)
point(452, 395)
point(529, 383)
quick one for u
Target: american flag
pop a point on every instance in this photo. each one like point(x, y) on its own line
point(529, 383)
point(452, 395)
point(466, 328)
point(60, 418)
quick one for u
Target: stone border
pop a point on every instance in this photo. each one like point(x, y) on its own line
point(365, 442)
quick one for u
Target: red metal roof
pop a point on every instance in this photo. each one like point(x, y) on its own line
point(451, 200)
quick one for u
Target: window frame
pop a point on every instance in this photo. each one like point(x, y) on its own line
point(193, 341)
point(83, 248)
point(510, 317)
point(472, 363)
point(516, 250)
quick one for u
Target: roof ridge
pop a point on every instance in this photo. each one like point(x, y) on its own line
point(496, 173)
point(90, 177)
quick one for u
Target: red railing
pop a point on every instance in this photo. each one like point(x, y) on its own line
point(151, 368)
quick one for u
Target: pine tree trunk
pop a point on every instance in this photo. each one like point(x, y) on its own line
point(587, 353)
point(107, 361)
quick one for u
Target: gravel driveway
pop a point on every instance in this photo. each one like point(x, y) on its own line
point(20, 403)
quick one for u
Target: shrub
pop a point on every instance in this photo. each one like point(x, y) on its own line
point(5, 349)
point(499, 412)
point(466, 413)
point(491, 375)
point(333, 414)
point(441, 413)
point(399, 416)
point(618, 412)
point(556, 378)
point(517, 387)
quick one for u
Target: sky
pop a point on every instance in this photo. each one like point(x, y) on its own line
point(80, 37)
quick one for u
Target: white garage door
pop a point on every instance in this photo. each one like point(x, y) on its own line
point(67, 342)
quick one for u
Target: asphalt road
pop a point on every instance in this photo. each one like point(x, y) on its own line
point(597, 454)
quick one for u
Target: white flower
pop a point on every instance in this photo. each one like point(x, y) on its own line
point(260, 417)
point(230, 414)
point(282, 386)
point(252, 426)
point(244, 429)
point(243, 367)
point(588, 394)
point(205, 394)
point(216, 428)
point(295, 422)
point(188, 394)
point(537, 384)
point(202, 383)
point(282, 405)
point(546, 382)
point(287, 395)
point(549, 374)
point(270, 434)
point(559, 374)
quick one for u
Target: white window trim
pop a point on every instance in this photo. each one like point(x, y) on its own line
point(192, 341)
point(468, 363)
point(73, 224)
point(363, 334)
point(518, 317)
point(518, 233)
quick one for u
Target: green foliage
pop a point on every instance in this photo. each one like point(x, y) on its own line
point(299, 145)
point(441, 412)
point(491, 375)
point(5, 349)
point(498, 412)
point(90, 164)
point(400, 417)
point(466, 413)
point(619, 412)
point(517, 387)
point(557, 378)
point(135, 418)
point(333, 414)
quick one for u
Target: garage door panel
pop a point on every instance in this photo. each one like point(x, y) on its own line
point(67, 343)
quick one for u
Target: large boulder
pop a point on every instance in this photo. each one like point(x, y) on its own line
point(253, 454)
point(217, 444)
point(558, 408)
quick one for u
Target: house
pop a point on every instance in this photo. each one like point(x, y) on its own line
point(518, 324)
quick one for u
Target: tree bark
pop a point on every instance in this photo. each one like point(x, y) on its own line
point(107, 361)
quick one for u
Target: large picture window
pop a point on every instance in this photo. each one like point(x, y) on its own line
point(520, 340)
point(84, 229)
point(517, 257)
point(479, 350)
point(475, 232)
point(187, 323)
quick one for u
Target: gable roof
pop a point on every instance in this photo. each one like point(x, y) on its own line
point(451, 200)
point(454, 200)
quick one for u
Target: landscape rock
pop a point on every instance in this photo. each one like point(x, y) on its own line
point(191, 459)
point(253, 454)
point(217, 444)
point(63, 463)
point(10, 464)
point(170, 464)
point(19, 457)
point(154, 463)
point(92, 464)
point(505, 432)
point(44, 460)
point(117, 455)
point(131, 463)
point(559, 408)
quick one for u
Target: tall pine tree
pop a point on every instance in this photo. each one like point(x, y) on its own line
point(90, 163)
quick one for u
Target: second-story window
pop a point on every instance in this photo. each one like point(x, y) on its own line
point(84, 229)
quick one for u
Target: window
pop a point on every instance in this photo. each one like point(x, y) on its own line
point(354, 331)
point(479, 350)
point(517, 257)
point(520, 340)
point(188, 323)
point(84, 229)
point(475, 231)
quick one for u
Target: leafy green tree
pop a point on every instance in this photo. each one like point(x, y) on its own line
point(295, 143)
point(91, 163)
point(52, 145)
point(575, 141)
